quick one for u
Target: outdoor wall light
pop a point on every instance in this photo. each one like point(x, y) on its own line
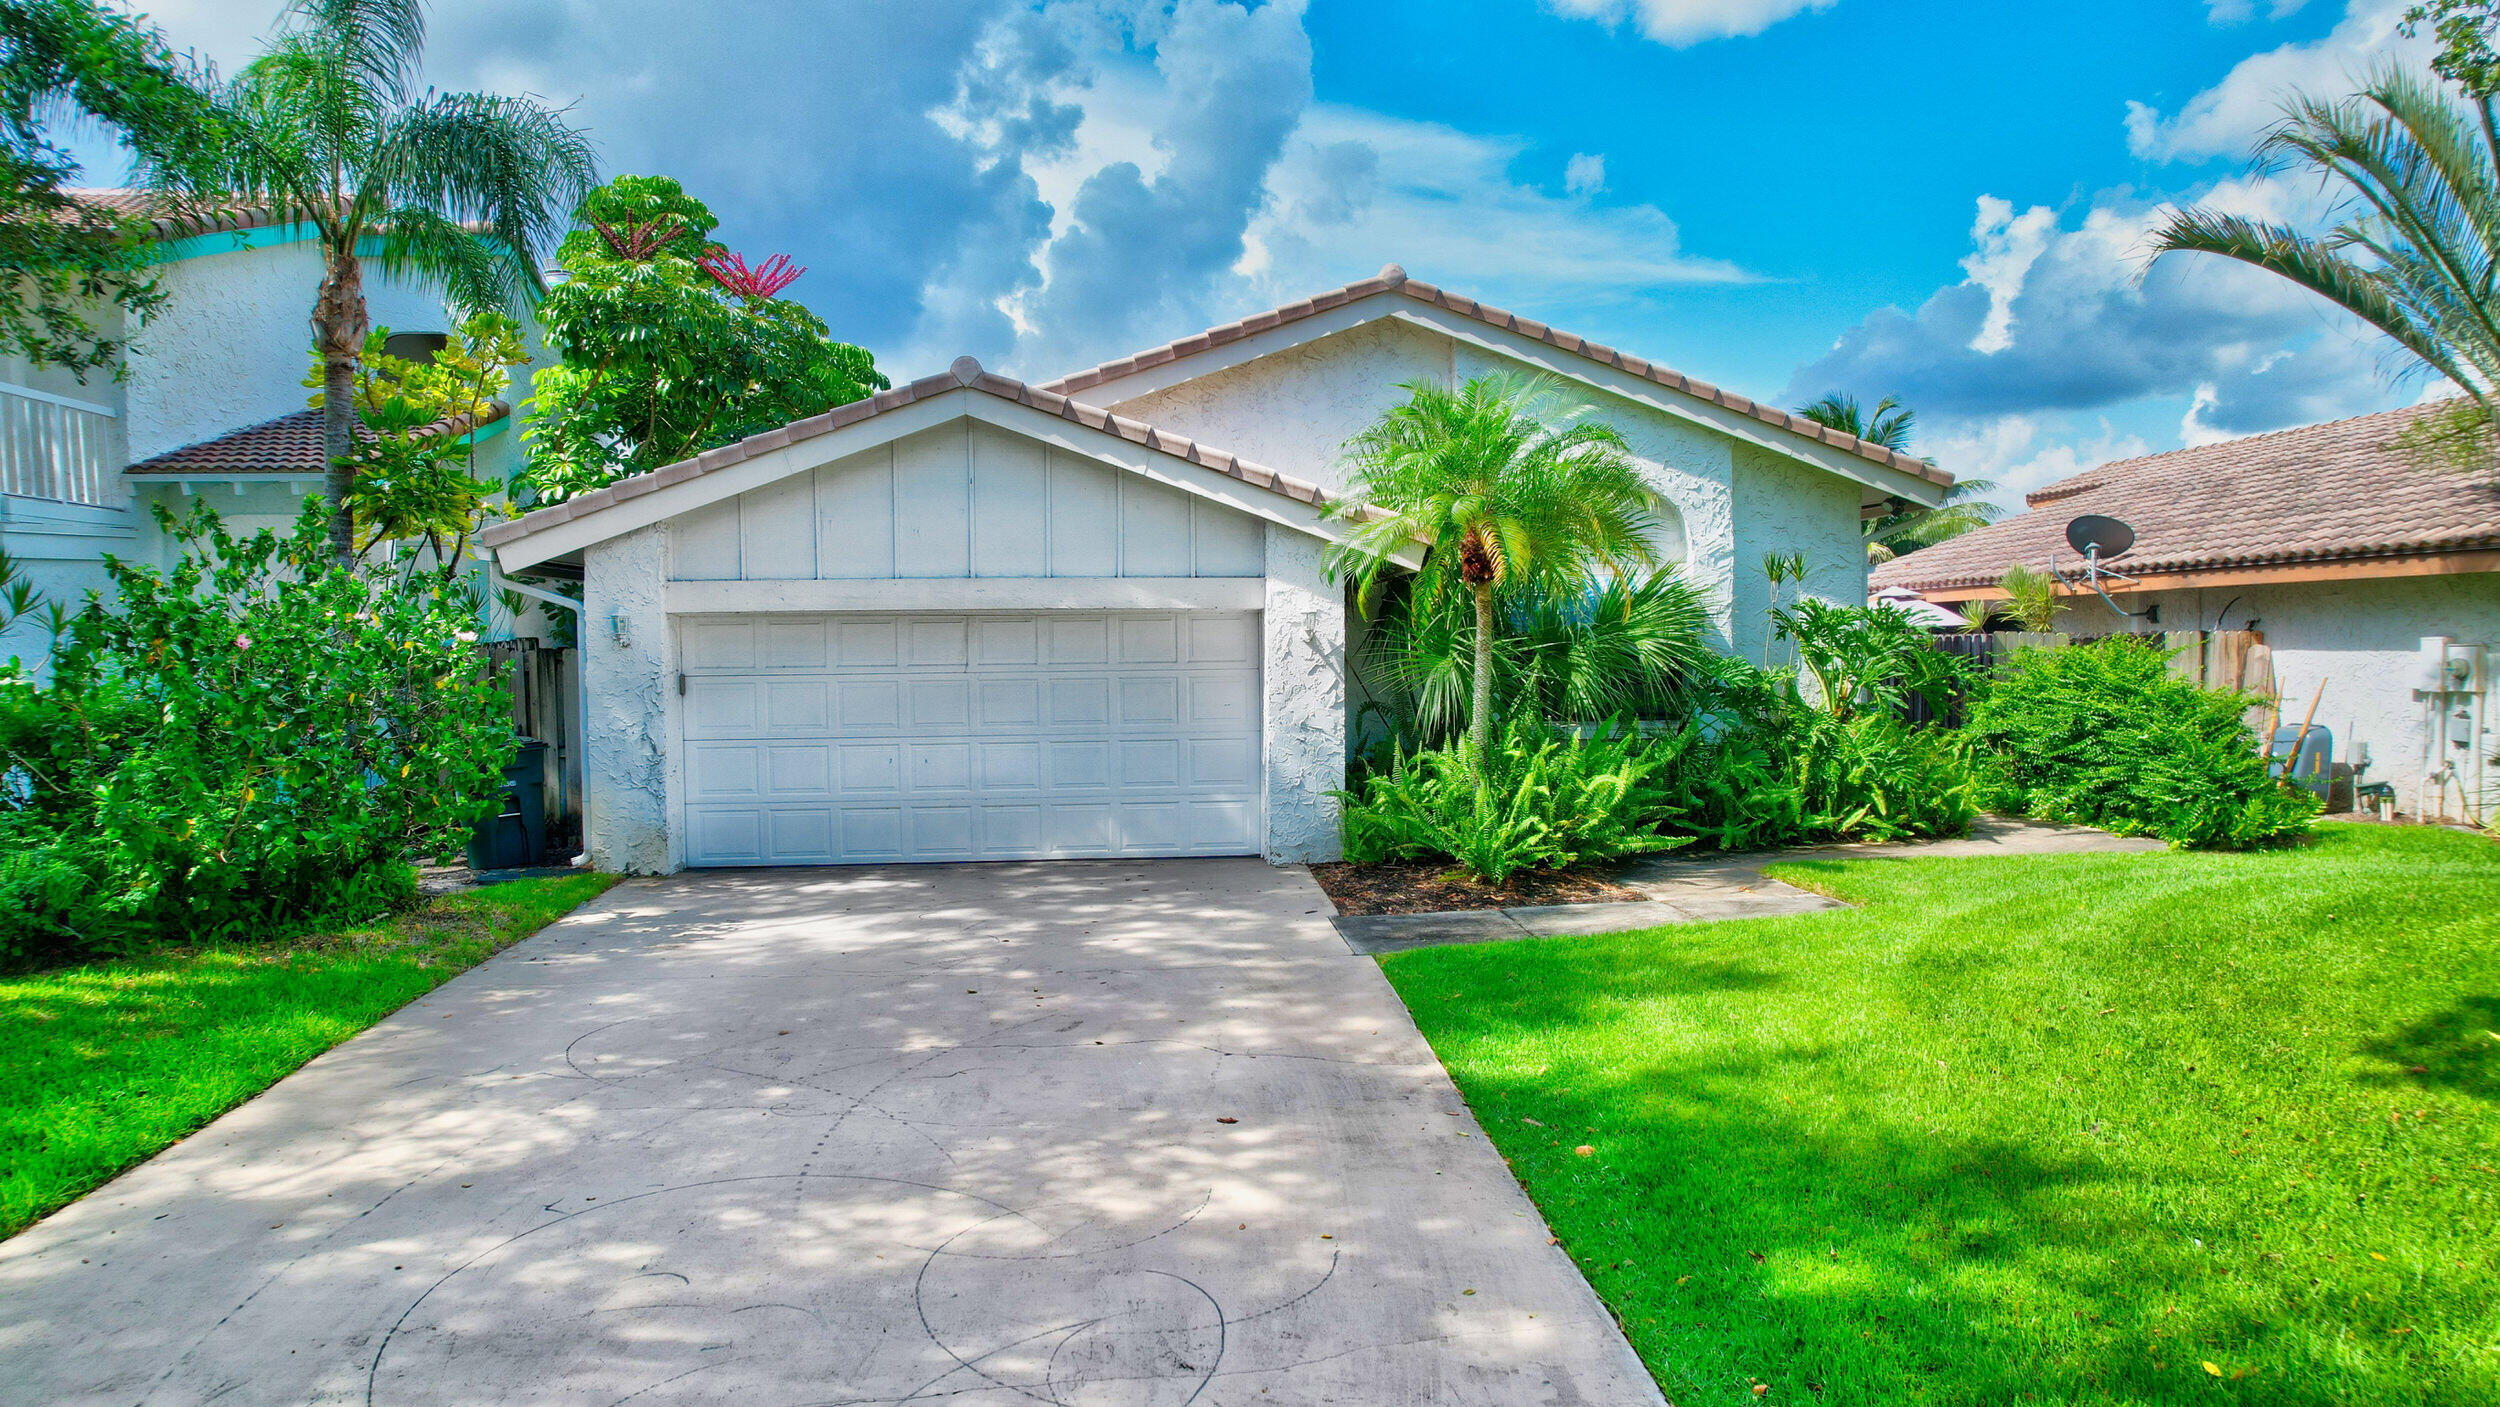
point(617, 632)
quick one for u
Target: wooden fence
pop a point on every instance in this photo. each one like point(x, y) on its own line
point(541, 682)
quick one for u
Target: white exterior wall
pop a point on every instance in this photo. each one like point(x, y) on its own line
point(1783, 506)
point(235, 341)
point(630, 690)
point(955, 503)
point(963, 500)
point(1303, 674)
point(2362, 639)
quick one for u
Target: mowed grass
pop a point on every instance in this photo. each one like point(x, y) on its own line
point(2080, 1129)
point(103, 1064)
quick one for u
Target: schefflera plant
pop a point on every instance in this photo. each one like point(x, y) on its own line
point(253, 741)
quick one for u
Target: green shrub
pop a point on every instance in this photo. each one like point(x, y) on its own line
point(1548, 800)
point(2102, 734)
point(1754, 765)
point(248, 743)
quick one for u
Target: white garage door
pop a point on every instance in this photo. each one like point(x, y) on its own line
point(848, 739)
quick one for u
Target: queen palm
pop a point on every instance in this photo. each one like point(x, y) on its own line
point(456, 190)
point(2416, 246)
point(1500, 480)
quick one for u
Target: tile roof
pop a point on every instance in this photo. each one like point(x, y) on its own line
point(1394, 279)
point(169, 219)
point(2338, 491)
point(965, 374)
point(290, 444)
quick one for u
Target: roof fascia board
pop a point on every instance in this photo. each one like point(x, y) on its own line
point(669, 501)
point(2258, 574)
point(1390, 303)
point(1691, 409)
point(1145, 381)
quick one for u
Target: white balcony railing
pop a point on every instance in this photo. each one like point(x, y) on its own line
point(53, 447)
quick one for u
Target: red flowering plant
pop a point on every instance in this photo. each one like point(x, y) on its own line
point(670, 344)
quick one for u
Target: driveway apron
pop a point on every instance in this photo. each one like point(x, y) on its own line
point(1132, 1133)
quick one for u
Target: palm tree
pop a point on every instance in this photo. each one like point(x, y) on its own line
point(2416, 245)
point(1502, 480)
point(1907, 527)
point(1887, 425)
point(1904, 526)
point(456, 190)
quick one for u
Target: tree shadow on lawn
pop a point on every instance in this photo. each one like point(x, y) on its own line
point(1795, 1209)
point(2458, 1048)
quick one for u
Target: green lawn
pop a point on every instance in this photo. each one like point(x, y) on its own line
point(101, 1065)
point(2163, 1128)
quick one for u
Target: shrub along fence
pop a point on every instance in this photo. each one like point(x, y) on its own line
point(2212, 659)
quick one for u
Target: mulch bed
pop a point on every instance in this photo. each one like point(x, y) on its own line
point(1435, 886)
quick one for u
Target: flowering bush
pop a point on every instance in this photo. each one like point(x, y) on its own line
point(254, 741)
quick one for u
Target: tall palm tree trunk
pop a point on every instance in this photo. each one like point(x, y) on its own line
point(1480, 712)
point(339, 326)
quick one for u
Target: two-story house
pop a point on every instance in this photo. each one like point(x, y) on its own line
point(209, 405)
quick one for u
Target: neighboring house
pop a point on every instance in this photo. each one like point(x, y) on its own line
point(2344, 550)
point(210, 406)
point(974, 619)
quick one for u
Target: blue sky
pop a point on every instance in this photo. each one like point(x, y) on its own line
point(1947, 201)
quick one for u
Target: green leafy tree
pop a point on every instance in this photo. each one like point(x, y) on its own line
point(416, 466)
point(2415, 247)
point(456, 190)
point(79, 272)
point(2465, 30)
point(249, 741)
point(670, 345)
point(1500, 480)
point(1904, 526)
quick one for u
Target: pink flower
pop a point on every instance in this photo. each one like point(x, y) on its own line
point(466, 637)
point(243, 642)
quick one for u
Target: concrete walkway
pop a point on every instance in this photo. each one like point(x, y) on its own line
point(1687, 888)
point(1082, 1133)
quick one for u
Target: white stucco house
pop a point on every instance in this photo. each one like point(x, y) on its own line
point(209, 406)
point(972, 618)
point(2372, 574)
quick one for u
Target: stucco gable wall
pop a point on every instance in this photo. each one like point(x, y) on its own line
point(1783, 506)
point(1295, 410)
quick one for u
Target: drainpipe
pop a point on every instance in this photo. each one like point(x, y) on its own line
point(497, 581)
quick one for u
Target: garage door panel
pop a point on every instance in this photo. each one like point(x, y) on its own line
point(797, 706)
point(970, 737)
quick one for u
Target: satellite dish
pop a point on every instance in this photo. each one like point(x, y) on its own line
point(2094, 535)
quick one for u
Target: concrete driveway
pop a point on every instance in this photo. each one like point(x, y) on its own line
point(1080, 1133)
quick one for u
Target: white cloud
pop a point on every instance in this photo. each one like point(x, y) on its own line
point(1585, 173)
point(1400, 204)
point(2227, 118)
point(2242, 11)
point(2063, 316)
point(2008, 245)
point(1680, 23)
point(2020, 453)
